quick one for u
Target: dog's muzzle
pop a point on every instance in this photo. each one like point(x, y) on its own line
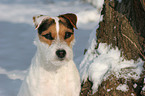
point(61, 54)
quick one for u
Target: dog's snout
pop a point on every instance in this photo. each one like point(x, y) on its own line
point(61, 53)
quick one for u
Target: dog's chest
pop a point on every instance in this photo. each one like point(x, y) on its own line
point(55, 83)
point(63, 82)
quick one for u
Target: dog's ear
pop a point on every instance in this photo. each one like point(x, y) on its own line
point(71, 17)
point(38, 20)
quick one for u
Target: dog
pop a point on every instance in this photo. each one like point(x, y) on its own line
point(52, 71)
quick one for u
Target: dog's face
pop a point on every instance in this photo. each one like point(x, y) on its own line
point(56, 35)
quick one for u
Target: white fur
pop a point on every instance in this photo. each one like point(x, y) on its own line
point(57, 24)
point(48, 76)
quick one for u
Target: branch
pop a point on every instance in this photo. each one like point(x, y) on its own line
point(134, 45)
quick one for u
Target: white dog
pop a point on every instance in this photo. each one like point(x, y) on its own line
point(53, 72)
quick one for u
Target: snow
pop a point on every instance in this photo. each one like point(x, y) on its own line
point(119, 1)
point(122, 87)
point(18, 32)
point(135, 85)
point(143, 88)
point(97, 3)
point(132, 94)
point(16, 74)
point(84, 11)
point(100, 63)
point(108, 90)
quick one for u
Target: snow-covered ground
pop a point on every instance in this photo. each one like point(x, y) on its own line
point(17, 34)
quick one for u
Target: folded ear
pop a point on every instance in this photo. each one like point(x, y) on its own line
point(38, 20)
point(71, 17)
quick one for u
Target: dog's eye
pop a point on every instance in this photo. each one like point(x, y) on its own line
point(67, 35)
point(48, 36)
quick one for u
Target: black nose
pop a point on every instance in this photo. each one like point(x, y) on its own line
point(61, 53)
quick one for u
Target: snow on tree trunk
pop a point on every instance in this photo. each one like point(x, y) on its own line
point(123, 27)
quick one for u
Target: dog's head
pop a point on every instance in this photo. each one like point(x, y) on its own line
point(56, 36)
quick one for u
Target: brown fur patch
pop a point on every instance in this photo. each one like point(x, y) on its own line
point(71, 17)
point(52, 30)
point(62, 31)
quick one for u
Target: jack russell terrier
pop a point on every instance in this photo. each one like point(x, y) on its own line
point(52, 71)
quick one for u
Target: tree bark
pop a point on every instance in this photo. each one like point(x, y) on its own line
point(123, 26)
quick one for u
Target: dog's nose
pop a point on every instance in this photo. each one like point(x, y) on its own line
point(61, 53)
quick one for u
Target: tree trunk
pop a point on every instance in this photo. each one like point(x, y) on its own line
point(123, 26)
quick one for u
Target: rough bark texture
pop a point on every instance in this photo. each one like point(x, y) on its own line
point(123, 26)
